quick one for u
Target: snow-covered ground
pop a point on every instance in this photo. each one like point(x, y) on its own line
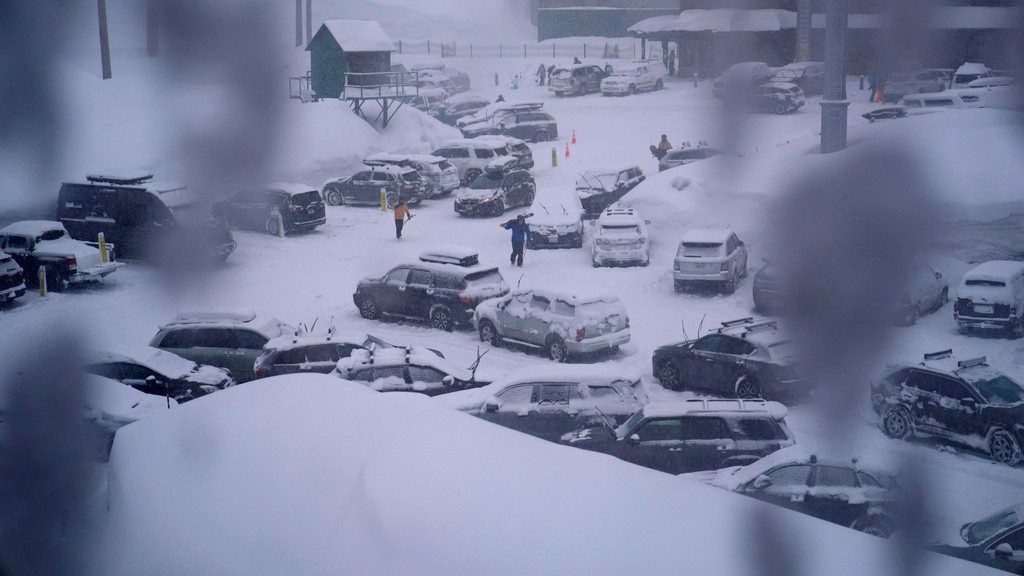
point(976, 166)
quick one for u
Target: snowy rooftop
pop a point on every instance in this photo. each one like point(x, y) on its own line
point(31, 227)
point(359, 35)
point(166, 363)
point(706, 236)
point(289, 188)
point(499, 138)
point(719, 20)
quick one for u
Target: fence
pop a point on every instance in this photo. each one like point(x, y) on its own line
point(519, 50)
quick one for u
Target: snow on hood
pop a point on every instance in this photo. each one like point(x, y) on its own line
point(84, 254)
point(552, 212)
point(313, 473)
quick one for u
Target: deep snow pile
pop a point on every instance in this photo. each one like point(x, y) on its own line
point(312, 475)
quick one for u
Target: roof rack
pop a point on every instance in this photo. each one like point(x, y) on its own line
point(972, 362)
point(737, 322)
point(123, 180)
point(939, 355)
point(760, 326)
point(457, 256)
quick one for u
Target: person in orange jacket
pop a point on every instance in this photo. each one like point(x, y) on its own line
point(402, 214)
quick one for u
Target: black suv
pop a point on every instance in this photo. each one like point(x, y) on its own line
point(691, 436)
point(743, 358)
point(500, 187)
point(278, 208)
point(141, 217)
point(966, 401)
point(363, 188)
point(442, 288)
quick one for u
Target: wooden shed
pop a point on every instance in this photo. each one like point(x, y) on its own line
point(352, 52)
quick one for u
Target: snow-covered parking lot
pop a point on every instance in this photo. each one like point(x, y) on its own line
point(312, 276)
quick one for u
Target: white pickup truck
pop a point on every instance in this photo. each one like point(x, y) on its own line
point(35, 243)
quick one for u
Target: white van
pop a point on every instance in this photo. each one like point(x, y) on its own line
point(924, 103)
point(969, 72)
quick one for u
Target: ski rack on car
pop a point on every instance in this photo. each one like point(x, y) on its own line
point(741, 404)
point(459, 257)
point(938, 355)
point(737, 322)
point(760, 326)
point(972, 362)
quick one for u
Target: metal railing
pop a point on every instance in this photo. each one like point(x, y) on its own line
point(551, 49)
point(367, 85)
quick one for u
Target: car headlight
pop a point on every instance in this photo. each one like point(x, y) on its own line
point(486, 199)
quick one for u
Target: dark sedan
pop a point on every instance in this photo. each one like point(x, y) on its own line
point(278, 208)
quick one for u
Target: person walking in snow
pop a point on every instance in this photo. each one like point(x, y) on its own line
point(551, 70)
point(541, 73)
point(872, 87)
point(500, 98)
point(662, 148)
point(672, 63)
point(520, 231)
point(402, 214)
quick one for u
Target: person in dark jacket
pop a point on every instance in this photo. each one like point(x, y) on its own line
point(520, 230)
point(672, 63)
point(551, 70)
point(500, 98)
point(541, 73)
point(576, 60)
point(872, 87)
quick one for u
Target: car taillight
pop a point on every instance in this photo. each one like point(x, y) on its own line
point(261, 373)
point(294, 208)
point(465, 299)
point(71, 262)
point(580, 334)
point(676, 265)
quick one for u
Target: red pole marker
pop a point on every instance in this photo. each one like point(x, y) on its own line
point(566, 149)
point(573, 136)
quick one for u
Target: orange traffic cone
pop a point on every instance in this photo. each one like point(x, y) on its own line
point(566, 149)
point(573, 136)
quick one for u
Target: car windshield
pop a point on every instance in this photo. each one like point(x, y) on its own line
point(411, 176)
point(700, 249)
point(51, 235)
point(965, 78)
point(788, 74)
point(620, 231)
point(994, 283)
point(487, 181)
point(485, 280)
point(305, 198)
point(998, 389)
point(977, 532)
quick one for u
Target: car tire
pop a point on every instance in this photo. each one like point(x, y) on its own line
point(659, 84)
point(441, 318)
point(334, 197)
point(274, 225)
point(669, 376)
point(748, 387)
point(680, 286)
point(556, 349)
point(499, 207)
point(732, 284)
point(1005, 449)
point(874, 525)
point(472, 174)
point(897, 423)
point(369, 309)
point(1015, 329)
point(781, 109)
point(489, 334)
point(540, 135)
point(631, 90)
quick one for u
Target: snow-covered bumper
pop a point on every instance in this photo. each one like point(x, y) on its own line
point(12, 291)
point(554, 237)
point(621, 255)
point(564, 88)
point(94, 273)
point(702, 275)
point(614, 89)
point(979, 322)
point(596, 343)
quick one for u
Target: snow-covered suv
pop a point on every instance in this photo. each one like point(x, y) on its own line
point(620, 238)
point(560, 324)
point(576, 80)
point(556, 221)
point(407, 370)
point(991, 295)
point(12, 279)
point(638, 77)
point(963, 401)
point(502, 186)
point(710, 255)
point(470, 156)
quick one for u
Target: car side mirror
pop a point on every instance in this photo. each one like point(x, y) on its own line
point(762, 482)
point(1004, 550)
point(491, 405)
point(634, 439)
point(151, 380)
point(448, 380)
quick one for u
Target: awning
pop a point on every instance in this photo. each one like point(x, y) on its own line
point(718, 20)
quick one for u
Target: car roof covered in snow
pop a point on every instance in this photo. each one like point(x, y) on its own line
point(452, 268)
point(619, 217)
point(290, 341)
point(390, 169)
point(604, 373)
point(464, 97)
point(31, 227)
point(268, 326)
point(500, 138)
point(972, 68)
point(706, 236)
point(166, 363)
point(450, 254)
point(733, 478)
point(398, 157)
point(359, 35)
point(479, 141)
point(801, 65)
point(741, 68)
point(412, 356)
point(289, 188)
point(577, 296)
point(673, 408)
point(995, 270)
point(576, 66)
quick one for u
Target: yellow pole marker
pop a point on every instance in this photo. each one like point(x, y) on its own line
point(42, 281)
point(104, 255)
point(383, 200)
point(554, 156)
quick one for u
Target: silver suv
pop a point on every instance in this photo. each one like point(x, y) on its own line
point(710, 255)
point(559, 324)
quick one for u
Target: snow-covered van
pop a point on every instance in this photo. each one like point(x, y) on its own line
point(969, 72)
point(470, 156)
point(439, 172)
point(38, 243)
point(991, 295)
point(561, 324)
point(710, 255)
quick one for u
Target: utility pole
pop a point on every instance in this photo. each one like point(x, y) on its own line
point(152, 29)
point(309, 20)
point(803, 30)
point(298, 23)
point(834, 103)
point(101, 7)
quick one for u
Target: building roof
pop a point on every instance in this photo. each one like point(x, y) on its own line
point(358, 35)
point(719, 20)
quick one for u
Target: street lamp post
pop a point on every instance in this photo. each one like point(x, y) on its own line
point(834, 103)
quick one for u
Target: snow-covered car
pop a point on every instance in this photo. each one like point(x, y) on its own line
point(552, 401)
point(963, 401)
point(317, 353)
point(684, 156)
point(143, 218)
point(519, 149)
point(768, 292)
point(991, 295)
point(691, 436)
point(363, 188)
point(455, 81)
point(969, 72)
point(620, 239)
point(407, 370)
point(576, 80)
point(926, 80)
point(497, 108)
point(443, 288)
point(776, 97)
point(37, 243)
point(925, 103)
point(278, 208)
point(740, 78)
point(427, 98)
point(561, 324)
point(556, 221)
point(841, 491)
point(459, 106)
point(503, 185)
point(640, 77)
point(153, 371)
point(12, 279)
point(886, 113)
point(996, 541)
point(599, 188)
point(227, 339)
point(927, 291)
point(712, 255)
point(529, 125)
point(442, 177)
point(809, 76)
point(470, 156)
point(741, 358)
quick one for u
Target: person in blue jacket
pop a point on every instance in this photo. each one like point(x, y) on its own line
point(520, 230)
